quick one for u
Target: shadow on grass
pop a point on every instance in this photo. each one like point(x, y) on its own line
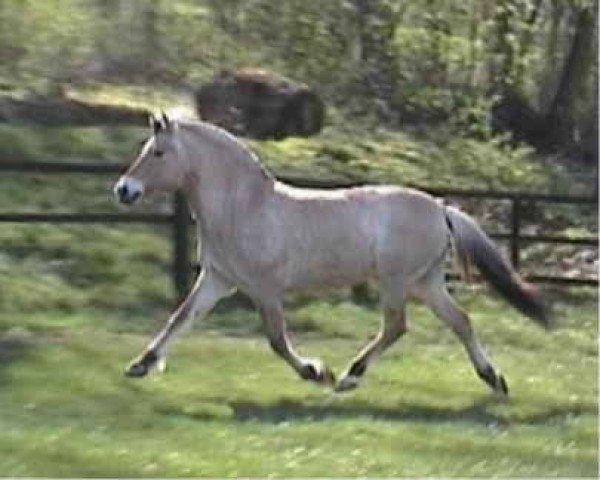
point(15, 345)
point(477, 413)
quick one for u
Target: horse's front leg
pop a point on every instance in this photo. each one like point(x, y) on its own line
point(275, 326)
point(208, 289)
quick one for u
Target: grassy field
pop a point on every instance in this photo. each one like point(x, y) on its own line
point(78, 302)
point(227, 407)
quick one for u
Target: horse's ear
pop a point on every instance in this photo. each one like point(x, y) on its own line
point(156, 124)
point(166, 121)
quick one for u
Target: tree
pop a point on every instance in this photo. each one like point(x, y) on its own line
point(376, 23)
point(560, 117)
point(556, 123)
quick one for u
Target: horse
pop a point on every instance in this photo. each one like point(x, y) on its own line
point(264, 238)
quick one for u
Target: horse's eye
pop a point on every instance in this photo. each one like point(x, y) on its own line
point(158, 153)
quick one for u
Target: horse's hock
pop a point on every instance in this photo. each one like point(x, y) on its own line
point(260, 104)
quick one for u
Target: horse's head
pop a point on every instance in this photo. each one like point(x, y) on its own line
point(158, 167)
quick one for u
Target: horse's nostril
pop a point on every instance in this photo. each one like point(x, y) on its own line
point(121, 192)
point(118, 192)
point(127, 191)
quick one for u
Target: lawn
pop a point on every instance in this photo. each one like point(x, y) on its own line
point(77, 302)
point(227, 407)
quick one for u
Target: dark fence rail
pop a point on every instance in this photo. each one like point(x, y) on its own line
point(180, 221)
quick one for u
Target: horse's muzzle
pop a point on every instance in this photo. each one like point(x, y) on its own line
point(128, 190)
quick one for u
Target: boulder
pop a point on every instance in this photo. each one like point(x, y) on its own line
point(260, 104)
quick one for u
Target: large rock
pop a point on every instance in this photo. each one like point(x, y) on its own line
point(261, 105)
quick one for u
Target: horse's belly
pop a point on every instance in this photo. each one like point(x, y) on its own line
point(334, 268)
point(332, 279)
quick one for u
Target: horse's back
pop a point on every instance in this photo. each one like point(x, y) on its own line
point(342, 236)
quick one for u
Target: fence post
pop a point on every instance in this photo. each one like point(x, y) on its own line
point(181, 246)
point(515, 232)
point(361, 294)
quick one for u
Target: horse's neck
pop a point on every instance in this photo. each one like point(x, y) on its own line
point(224, 175)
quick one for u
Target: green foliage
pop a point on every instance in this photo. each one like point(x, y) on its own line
point(444, 57)
point(437, 159)
point(472, 116)
point(425, 60)
point(66, 268)
point(42, 45)
point(35, 143)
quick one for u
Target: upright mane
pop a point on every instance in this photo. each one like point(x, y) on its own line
point(219, 135)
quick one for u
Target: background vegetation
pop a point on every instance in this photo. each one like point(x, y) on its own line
point(531, 64)
point(474, 94)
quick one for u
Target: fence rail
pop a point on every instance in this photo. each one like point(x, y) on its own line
point(180, 221)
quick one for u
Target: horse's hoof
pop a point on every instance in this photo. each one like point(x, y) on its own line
point(141, 368)
point(317, 372)
point(502, 387)
point(346, 383)
point(136, 370)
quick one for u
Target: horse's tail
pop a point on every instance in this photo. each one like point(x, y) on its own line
point(473, 246)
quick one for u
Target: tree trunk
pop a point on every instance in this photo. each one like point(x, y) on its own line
point(151, 35)
point(525, 43)
point(503, 54)
point(556, 126)
point(474, 20)
point(573, 76)
point(376, 25)
point(552, 55)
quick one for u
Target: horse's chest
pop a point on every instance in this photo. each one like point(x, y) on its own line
point(243, 257)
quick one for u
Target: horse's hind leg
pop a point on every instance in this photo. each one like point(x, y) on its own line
point(392, 328)
point(275, 326)
point(445, 307)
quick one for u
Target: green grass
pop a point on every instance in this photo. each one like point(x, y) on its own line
point(78, 302)
point(228, 407)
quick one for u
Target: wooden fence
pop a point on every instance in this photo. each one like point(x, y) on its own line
point(180, 221)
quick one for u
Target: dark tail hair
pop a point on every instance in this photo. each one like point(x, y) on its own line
point(473, 246)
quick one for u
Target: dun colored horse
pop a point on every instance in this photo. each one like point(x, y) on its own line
point(263, 237)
